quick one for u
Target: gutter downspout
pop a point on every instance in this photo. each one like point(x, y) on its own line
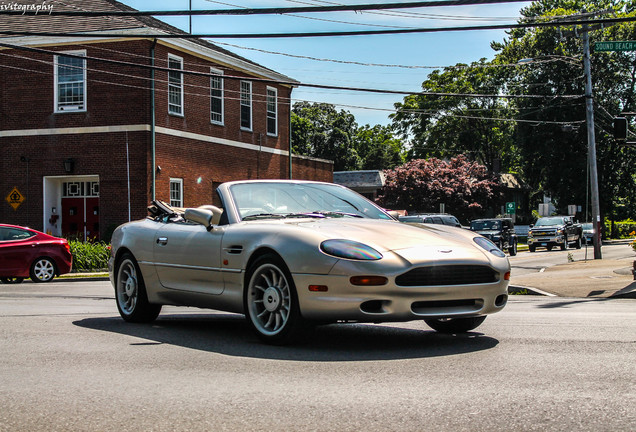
point(289, 133)
point(153, 142)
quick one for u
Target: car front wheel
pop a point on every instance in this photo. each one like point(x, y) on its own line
point(42, 270)
point(512, 250)
point(130, 293)
point(270, 302)
point(579, 243)
point(565, 244)
point(455, 325)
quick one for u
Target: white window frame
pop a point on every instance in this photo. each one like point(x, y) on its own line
point(221, 97)
point(245, 99)
point(176, 201)
point(172, 87)
point(271, 114)
point(79, 107)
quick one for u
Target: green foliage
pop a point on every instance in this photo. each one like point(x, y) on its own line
point(89, 256)
point(552, 138)
point(320, 131)
point(547, 143)
point(462, 121)
point(620, 230)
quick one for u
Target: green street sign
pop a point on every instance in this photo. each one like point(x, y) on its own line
point(510, 208)
point(615, 46)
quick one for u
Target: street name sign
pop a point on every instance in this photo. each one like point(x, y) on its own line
point(615, 46)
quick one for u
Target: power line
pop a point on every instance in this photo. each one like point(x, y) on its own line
point(554, 23)
point(281, 82)
point(17, 9)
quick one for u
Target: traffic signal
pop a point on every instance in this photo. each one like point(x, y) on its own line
point(620, 128)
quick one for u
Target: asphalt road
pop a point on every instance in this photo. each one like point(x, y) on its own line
point(69, 363)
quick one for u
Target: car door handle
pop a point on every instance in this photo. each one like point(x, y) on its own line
point(162, 241)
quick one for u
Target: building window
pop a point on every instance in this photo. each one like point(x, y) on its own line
point(246, 105)
point(175, 86)
point(80, 189)
point(176, 192)
point(272, 111)
point(216, 97)
point(70, 82)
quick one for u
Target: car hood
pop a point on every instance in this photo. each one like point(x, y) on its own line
point(408, 240)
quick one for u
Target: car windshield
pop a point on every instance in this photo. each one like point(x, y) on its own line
point(588, 227)
point(485, 225)
point(549, 221)
point(271, 200)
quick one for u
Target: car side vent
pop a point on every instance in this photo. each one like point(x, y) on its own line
point(448, 275)
point(234, 250)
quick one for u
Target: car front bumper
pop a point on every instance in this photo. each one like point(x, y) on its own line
point(347, 302)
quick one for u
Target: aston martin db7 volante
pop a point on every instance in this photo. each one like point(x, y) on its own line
point(292, 254)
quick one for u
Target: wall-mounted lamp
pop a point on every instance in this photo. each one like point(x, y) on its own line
point(69, 164)
point(158, 168)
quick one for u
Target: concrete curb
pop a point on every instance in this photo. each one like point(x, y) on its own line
point(526, 290)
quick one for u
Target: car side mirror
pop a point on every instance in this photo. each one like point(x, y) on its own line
point(569, 223)
point(531, 225)
point(201, 216)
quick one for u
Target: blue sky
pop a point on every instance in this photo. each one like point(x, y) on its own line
point(424, 50)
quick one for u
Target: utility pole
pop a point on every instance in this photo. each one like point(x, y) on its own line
point(591, 144)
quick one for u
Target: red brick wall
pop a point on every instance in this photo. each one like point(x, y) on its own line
point(120, 95)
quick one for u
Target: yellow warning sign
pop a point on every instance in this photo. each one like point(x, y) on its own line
point(15, 198)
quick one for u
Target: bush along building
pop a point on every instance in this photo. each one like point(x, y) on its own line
point(93, 128)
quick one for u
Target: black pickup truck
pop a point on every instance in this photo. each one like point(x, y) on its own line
point(500, 231)
point(554, 231)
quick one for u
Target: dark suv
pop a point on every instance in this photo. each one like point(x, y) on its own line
point(434, 218)
point(500, 231)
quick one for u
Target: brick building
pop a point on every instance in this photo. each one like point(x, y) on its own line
point(90, 132)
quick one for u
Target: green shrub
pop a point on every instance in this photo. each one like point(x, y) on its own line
point(620, 230)
point(89, 256)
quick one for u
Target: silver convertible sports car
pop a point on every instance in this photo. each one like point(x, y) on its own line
point(291, 254)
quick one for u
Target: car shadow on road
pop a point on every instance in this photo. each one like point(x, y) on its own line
point(230, 335)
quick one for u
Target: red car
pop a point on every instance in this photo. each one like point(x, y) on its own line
point(25, 252)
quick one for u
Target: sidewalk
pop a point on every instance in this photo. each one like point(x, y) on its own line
point(602, 278)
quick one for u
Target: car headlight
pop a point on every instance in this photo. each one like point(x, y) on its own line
point(486, 244)
point(350, 249)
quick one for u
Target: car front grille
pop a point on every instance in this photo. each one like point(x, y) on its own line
point(549, 232)
point(448, 275)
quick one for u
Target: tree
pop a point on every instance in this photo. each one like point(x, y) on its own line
point(319, 130)
point(466, 188)
point(551, 134)
point(378, 148)
point(447, 118)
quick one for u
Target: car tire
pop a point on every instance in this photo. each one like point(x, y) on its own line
point(42, 270)
point(11, 280)
point(270, 301)
point(578, 243)
point(130, 293)
point(455, 325)
point(512, 250)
